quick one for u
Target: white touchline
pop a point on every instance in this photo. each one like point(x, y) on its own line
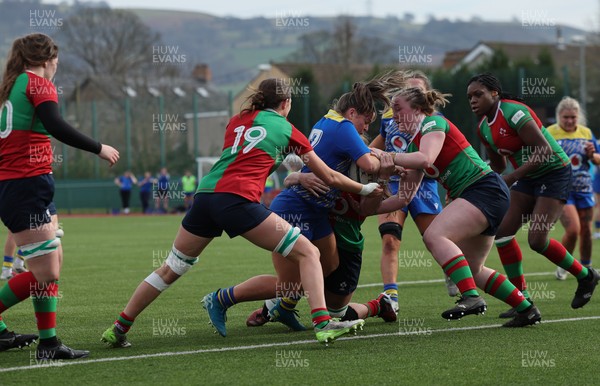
point(266, 345)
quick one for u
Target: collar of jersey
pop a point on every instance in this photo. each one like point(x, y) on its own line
point(334, 115)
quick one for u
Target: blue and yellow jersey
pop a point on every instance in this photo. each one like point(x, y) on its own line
point(337, 142)
point(573, 143)
point(395, 140)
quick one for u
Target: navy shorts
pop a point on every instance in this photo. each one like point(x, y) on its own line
point(26, 203)
point(312, 221)
point(554, 184)
point(344, 280)
point(213, 213)
point(492, 197)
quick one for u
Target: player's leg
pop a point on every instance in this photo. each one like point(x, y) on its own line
point(290, 244)
point(459, 220)
point(585, 211)
point(195, 233)
point(390, 229)
point(511, 257)
point(423, 208)
point(597, 213)
point(9, 257)
point(569, 219)
point(545, 213)
point(476, 250)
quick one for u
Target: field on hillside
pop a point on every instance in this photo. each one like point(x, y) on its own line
point(105, 258)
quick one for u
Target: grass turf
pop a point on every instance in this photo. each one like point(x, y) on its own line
point(105, 258)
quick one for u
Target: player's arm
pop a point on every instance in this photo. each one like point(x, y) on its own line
point(593, 151)
point(309, 181)
point(532, 137)
point(56, 126)
point(407, 188)
point(332, 178)
point(497, 161)
point(429, 149)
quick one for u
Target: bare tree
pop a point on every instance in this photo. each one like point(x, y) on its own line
point(109, 42)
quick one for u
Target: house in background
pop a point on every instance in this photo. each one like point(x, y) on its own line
point(171, 103)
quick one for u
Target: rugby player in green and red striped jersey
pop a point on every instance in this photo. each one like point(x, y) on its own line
point(228, 199)
point(459, 238)
point(539, 184)
point(29, 115)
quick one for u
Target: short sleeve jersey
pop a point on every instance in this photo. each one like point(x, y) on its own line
point(337, 143)
point(501, 136)
point(25, 149)
point(573, 143)
point(255, 145)
point(458, 165)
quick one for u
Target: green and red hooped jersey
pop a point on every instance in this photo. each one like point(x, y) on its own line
point(255, 145)
point(25, 149)
point(346, 223)
point(501, 136)
point(458, 165)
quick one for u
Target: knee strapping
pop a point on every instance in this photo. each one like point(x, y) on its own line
point(41, 248)
point(288, 241)
point(156, 281)
point(391, 228)
point(180, 263)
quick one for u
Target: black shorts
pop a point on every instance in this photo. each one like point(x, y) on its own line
point(492, 197)
point(554, 184)
point(344, 280)
point(213, 213)
point(26, 203)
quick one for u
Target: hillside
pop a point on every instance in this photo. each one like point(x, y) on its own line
point(234, 47)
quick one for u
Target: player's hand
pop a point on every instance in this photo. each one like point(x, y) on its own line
point(387, 167)
point(375, 152)
point(109, 154)
point(313, 184)
point(590, 149)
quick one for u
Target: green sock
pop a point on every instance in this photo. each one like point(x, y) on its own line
point(458, 270)
point(502, 289)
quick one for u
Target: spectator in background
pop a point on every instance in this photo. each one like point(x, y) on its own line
point(146, 191)
point(125, 183)
point(161, 201)
point(581, 147)
point(189, 184)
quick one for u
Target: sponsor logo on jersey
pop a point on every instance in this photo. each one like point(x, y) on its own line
point(427, 126)
point(517, 117)
point(315, 137)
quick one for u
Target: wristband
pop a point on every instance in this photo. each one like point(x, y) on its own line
point(368, 188)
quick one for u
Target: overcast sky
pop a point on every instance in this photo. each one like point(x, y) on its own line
point(578, 13)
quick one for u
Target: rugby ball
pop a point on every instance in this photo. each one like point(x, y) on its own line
point(357, 174)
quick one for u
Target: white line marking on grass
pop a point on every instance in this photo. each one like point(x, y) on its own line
point(439, 280)
point(259, 346)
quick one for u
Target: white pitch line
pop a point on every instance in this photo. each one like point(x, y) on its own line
point(266, 345)
point(438, 280)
